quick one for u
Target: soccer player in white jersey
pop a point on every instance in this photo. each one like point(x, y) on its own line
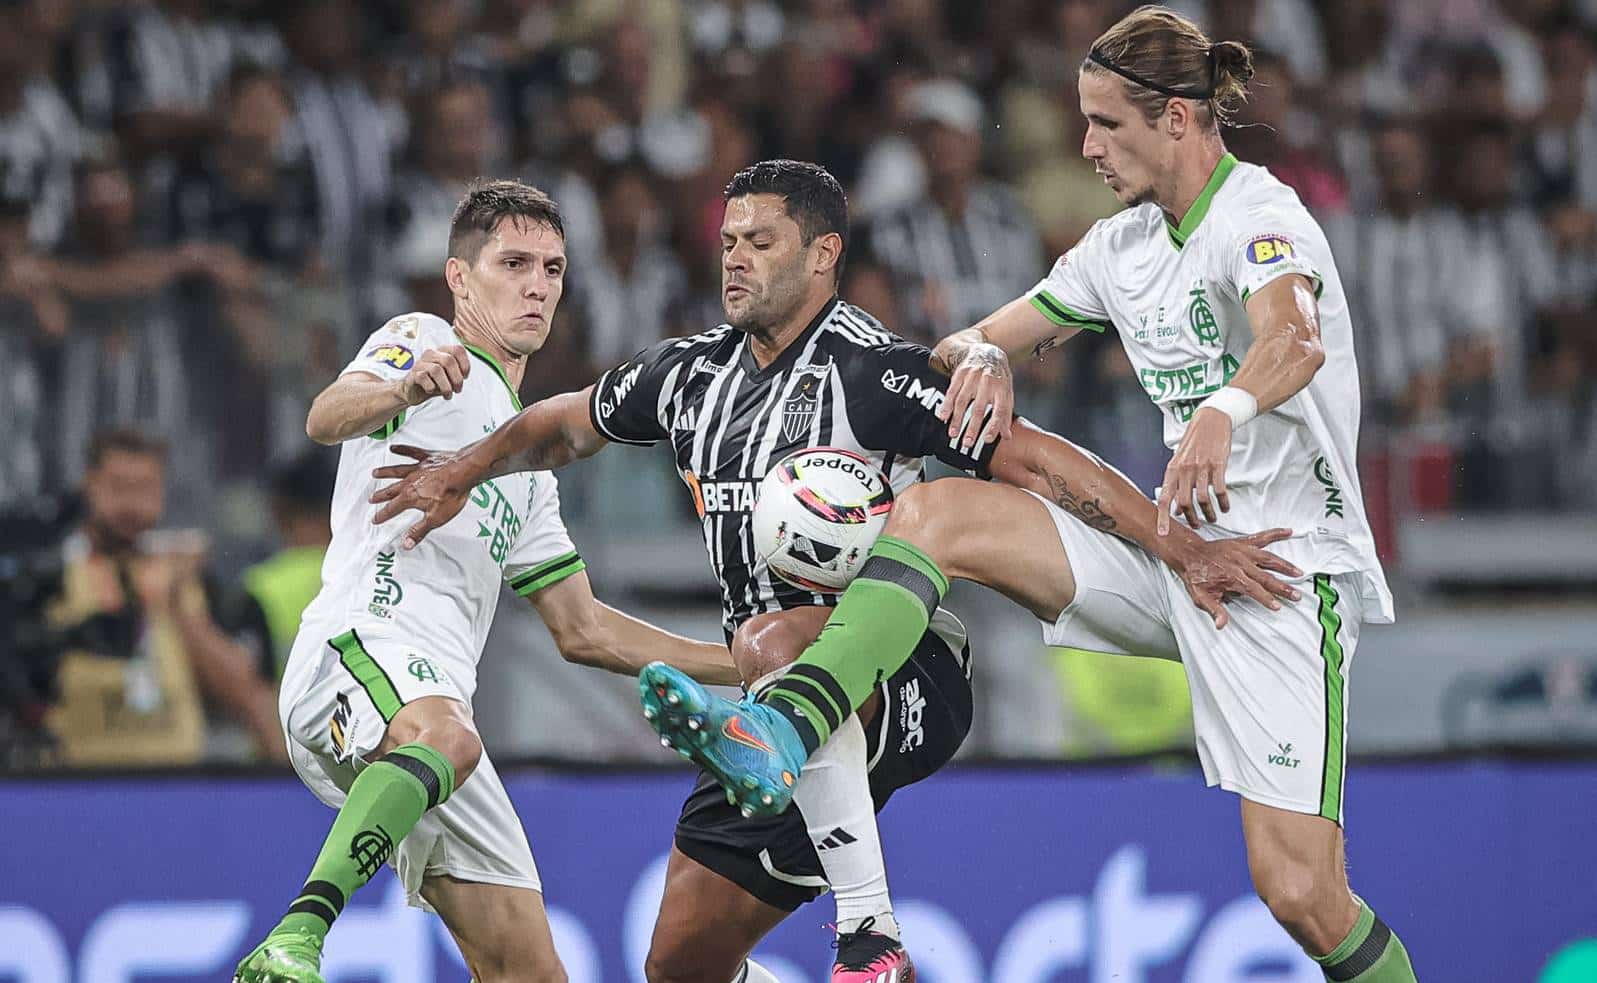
point(376, 695)
point(1229, 305)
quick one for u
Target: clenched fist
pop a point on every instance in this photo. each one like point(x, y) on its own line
point(439, 372)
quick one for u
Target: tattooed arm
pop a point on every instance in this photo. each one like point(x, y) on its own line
point(1084, 486)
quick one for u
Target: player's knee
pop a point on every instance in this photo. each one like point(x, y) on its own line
point(1291, 891)
point(442, 724)
point(924, 515)
point(672, 965)
point(518, 971)
point(767, 643)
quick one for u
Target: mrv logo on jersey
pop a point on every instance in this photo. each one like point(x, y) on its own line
point(909, 387)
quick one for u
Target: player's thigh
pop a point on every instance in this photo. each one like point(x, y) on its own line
point(503, 932)
point(707, 925)
point(1293, 855)
point(1120, 602)
point(359, 682)
point(993, 534)
point(1269, 695)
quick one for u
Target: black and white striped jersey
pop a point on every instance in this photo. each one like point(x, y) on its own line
point(845, 382)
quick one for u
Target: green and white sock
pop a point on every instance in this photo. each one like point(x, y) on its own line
point(1371, 953)
point(384, 804)
point(872, 632)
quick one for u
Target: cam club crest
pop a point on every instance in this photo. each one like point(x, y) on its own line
point(798, 411)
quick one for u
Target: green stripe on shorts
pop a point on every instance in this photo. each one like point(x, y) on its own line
point(379, 688)
point(546, 574)
point(1335, 745)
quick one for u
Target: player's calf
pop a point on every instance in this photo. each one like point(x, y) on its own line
point(382, 806)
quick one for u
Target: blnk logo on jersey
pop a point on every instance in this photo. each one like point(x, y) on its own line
point(387, 593)
point(1333, 494)
point(1264, 250)
point(720, 497)
point(906, 385)
point(398, 356)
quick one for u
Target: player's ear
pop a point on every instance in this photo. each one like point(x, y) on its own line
point(455, 276)
point(828, 249)
point(1178, 117)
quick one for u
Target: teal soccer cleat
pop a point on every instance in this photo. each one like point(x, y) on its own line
point(750, 749)
point(286, 956)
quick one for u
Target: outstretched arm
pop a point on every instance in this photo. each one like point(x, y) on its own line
point(592, 633)
point(358, 403)
point(546, 435)
point(1106, 500)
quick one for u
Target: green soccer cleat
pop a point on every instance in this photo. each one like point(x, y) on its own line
point(286, 956)
point(750, 748)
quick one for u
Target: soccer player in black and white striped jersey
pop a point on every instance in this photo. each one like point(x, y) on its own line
point(794, 367)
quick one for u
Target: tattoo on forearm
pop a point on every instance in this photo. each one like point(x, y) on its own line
point(1088, 510)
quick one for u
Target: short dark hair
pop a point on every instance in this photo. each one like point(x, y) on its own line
point(487, 203)
point(810, 193)
point(129, 440)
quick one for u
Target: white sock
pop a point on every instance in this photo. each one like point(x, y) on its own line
point(834, 796)
point(753, 972)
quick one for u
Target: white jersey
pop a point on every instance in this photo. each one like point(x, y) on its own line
point(1176, 297)
point(439, 598)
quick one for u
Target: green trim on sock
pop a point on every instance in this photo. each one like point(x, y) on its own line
point(1331, 773)
point(1355, 937)
point(440, 765)
point(1371, 953)
point(872, 632)
point(911, 556)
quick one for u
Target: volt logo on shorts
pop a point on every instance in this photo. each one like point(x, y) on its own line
point(733, 729)
point(1285, 759)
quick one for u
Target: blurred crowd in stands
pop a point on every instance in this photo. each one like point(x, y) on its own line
point(205, 205)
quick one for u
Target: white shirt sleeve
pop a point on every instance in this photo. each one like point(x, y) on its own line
point(543, 555)
point(1266, 244)
point(391, 351)
point(1067, 295)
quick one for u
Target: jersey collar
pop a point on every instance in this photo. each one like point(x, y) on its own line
point(499, 370)
point(785, 360)
point(1179, 234)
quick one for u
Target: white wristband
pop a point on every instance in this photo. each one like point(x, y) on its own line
point(1238, 404)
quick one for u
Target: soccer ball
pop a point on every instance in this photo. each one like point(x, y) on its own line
point(817, 515)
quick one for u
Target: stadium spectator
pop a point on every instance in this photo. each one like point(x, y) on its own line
point(349, 138)
point(40, 136)
point(1387, 261)
point(645, 288)
point(963, 250)
point(263, 613)
point(143, 702)
point(1277, 132)
point(32, 320)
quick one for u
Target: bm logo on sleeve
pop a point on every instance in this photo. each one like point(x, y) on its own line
point(1264, 250)
point(398, 356)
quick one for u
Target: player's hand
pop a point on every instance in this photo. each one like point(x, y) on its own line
point(1196, 473)
point(981, 388)
point(436, 486)
point(1220, 569)
point(439, 372)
